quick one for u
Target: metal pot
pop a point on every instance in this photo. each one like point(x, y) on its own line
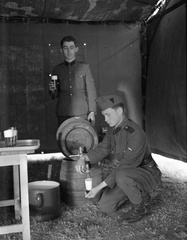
point(44, 200)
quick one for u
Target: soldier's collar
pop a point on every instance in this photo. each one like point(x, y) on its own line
point(69, 63)
point(116, 130)
point(123, 125)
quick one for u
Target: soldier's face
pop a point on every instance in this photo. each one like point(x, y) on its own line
point(69, 50)
point(112, 116)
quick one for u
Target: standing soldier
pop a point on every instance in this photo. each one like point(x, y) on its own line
point(75, 88)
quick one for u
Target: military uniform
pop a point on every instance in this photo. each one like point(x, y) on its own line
point(76, 90)
point(136, 173)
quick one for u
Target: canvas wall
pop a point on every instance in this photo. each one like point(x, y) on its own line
point(29, 51)
point(166, 87)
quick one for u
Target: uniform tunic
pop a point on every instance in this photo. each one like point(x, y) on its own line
point(130, 145)
point(76, 91)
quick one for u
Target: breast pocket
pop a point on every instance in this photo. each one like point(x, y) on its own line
point(80, 81)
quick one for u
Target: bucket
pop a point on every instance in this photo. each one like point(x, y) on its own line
point(73, 183)
point(74, 133)
point(44, 200)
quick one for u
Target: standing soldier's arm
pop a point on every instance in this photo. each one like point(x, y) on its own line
point(91, 93)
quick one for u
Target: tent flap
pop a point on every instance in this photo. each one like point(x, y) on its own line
point(166, 87)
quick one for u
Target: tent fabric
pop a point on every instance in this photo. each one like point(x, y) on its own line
point(28, 53)
point(166, 87)
point(84, 10)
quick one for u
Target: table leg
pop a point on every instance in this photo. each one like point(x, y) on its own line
point(16, 192)
point(24, 197)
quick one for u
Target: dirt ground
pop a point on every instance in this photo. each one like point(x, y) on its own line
point(167, 220)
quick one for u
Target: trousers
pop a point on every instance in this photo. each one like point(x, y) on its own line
point(126, 188)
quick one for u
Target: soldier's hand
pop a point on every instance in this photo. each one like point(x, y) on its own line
point(51, 86)
point(80, 165)
point(94, 191)
point(91, 118)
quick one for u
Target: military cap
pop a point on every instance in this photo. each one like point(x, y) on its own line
point(109, 101)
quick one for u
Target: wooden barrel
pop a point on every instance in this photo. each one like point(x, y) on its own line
point(71, 135)
point(73, 183)
point(74, 133)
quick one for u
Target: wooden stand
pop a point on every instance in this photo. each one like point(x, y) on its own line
point(17, 157)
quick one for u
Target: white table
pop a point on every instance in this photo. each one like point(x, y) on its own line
point(17, 157)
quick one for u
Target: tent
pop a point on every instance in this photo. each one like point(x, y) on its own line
point(136, 49)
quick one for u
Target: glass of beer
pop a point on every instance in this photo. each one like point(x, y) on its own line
point(88, 184)
point(54, 80)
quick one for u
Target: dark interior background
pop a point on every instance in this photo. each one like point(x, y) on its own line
point(139, 57)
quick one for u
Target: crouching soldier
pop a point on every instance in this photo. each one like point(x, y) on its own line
point(135, 175)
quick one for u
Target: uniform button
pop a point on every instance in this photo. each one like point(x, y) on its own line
point(126, 127)
point(70, 86)
point(71, 94)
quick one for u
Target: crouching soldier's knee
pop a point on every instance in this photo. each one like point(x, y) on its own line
point(105, 206)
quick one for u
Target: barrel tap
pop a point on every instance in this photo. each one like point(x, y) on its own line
point(87, 163)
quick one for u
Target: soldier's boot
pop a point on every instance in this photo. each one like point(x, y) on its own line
point(138, 211)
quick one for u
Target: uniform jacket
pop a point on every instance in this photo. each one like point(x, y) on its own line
point(76, 92)
point(130, 146)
